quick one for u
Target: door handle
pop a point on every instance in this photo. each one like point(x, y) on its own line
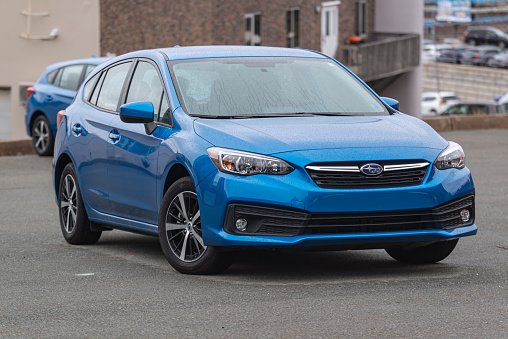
point(77, 129)
point(48, 98)
point(114, 135)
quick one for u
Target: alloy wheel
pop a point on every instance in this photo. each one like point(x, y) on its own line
point(41, 136)
point(183, 227)
point(68, 203)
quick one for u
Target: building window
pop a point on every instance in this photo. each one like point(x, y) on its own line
point(293, 28)
point(361, 18)
point(253, 29)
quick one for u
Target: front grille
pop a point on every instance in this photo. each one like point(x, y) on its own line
point(270, 221)
point(338, 175)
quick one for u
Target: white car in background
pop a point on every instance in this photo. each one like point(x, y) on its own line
point(431, 52)
point(434, 103)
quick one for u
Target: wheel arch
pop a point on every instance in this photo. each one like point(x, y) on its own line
point(60, 164)
point(35, 115)
point(177, 171)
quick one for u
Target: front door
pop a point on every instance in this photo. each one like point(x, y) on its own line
point(329, 27)
point(133, 154)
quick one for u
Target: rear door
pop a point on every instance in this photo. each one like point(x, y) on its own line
point(133, 154)
point(90, 133)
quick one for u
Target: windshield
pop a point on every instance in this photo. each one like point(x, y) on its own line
point(270, 86)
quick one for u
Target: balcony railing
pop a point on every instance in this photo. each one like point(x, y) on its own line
point(386, 56)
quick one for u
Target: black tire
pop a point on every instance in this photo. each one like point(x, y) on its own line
point(42, 136)
point(181, 240)
point(73, 218)
point(428, 254)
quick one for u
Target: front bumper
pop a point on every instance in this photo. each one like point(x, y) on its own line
point(297, 192)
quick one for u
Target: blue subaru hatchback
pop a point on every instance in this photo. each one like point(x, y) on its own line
point(54, 91)
point(214, 149)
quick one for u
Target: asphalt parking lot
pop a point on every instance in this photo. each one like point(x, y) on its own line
point(123, 286)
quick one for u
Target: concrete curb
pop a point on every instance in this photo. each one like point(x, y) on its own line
point(457, 123)
point(16, 147)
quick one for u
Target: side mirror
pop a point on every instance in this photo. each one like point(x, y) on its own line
point(137, 112)
point(140, 112)
point(391, 102)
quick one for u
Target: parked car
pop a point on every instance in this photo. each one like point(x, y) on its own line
point(53, 92)
point(218, 148)
point(474, 108)
point(503, 100)
point(485, 35)
point(452, 55)
point(480, 55)
point(434, 103)
point(432, 52)
point(499, 61)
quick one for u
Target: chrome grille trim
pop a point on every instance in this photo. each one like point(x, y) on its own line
point(406, 166)
point(357, 169)
point(334, 168)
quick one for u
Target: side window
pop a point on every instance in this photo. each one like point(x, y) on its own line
point(88, 69)
point(70, 77)
point(51, 76)
point(112, 86)
point(146, 86)
point(95, 95)
point(89, 86)
point(165, 114)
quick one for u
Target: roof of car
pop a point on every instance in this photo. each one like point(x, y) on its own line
point(472, 28)
point(90, 61)
point(198, 52)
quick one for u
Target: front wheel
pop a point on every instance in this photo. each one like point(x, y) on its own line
point(428, 254)
point(73, 218)
point(180, 233)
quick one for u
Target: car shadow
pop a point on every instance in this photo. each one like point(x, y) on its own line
point(286, 267)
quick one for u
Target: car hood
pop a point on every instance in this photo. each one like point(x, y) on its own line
point(287, 134)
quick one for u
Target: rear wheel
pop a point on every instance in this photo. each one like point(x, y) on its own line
point(42, 136)
point(73, 218)
point(428, 254)
point(501, 44)
point(472, 42)
point(180, 233)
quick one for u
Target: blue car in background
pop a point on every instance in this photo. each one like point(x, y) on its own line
point(215, 149)
point(54, 91)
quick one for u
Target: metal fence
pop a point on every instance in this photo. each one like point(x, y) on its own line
point(386, 56)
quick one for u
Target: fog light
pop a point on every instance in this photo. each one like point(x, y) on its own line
point(465, 215)
point(241, 224)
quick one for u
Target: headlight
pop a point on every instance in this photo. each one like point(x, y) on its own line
point(245, 163)
point(452, 157)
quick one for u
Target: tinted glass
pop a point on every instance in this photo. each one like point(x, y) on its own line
point(146, 86)
point(271, 86)
point(112, 86)
point(70, 77)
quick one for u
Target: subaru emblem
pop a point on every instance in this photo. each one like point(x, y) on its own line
point(371, 169)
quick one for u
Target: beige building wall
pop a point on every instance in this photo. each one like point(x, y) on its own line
point(22, 61)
